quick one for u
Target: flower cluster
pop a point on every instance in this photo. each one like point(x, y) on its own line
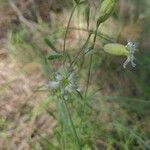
point(65, 82)
point(132, 48)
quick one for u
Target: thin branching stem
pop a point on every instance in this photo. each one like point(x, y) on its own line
point(89, 74)
point(104, 36)
point(95, 36)
point(67, 29)
point(83, 47)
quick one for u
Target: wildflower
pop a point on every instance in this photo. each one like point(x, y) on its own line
point(132, 48)
point(122, 50)
point(65, 82)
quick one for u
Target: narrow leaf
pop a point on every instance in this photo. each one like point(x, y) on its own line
point(55, 55)
point(49, 43)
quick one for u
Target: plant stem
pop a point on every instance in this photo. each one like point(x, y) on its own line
point(89, 73)
point(72, 125)
point(61, 121)
point(83, 47)
point(67, 29)
point(104, 36)
point(95, 36)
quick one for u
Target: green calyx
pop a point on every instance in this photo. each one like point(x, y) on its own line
point(116, 49)
point(107, 8)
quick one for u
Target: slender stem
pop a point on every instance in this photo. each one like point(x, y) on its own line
point(104, 36)
point(72, 124)
point(67, 29)
point(78, 19)
point(95, 36)
point(63, 137)
point(60, 118)
point(83, 47)
point(89, 73)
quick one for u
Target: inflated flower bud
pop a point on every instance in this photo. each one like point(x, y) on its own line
point(116, 49)
point(107, 8)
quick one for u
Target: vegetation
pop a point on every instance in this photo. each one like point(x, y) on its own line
point(75, 75)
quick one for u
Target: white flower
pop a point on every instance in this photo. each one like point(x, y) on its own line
point(65, 81)
point(132, 48)
point(53, 84)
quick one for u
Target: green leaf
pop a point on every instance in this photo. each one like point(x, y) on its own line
point(116, 49)
point(55, 55)
point(49, 44)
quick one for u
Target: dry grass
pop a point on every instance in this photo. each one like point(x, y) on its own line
point(18, 97)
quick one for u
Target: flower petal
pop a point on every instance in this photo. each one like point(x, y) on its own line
point(53, 84)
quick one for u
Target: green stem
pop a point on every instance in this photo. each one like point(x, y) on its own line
point(72, 125)
point(83, 47)
point(61, 121)
point(63, 137)
point(89, 73)
point(67, 29)
point(95, 36)
point(104, 36)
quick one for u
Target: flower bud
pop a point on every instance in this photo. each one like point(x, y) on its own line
point(107, 8)
point(116, 49)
